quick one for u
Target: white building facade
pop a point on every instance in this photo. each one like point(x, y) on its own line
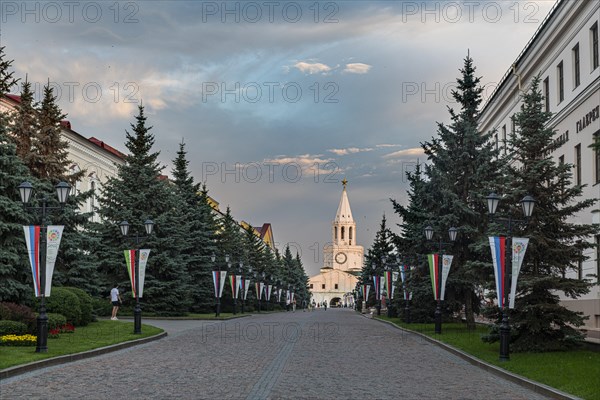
point(343, 260)
point(564, 52)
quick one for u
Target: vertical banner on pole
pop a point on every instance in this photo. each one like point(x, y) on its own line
point(144, 255)
point(376, 284)
point(365, 290)
point(519, 247)
point(32, 240)
point(268, 292)
point(279, 291)
point(234, 284)
point(53, 237)
point(219, 278)
point(498, 247)
point(258, 288)
point(222, 282)
point(446, 264)
point(394, 280)
point(433, 272)
point(388, 283)
point(238, 285)
point(246, 286)
point(130, 263)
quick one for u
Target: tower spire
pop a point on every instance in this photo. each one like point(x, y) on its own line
point(344, 214)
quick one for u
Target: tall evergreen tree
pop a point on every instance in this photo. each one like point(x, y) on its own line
point(381, 248)
point(539, 321)
point(14, 269)
point(25, 124)
point(198, 233)
point(464, 163)
point(139, 192)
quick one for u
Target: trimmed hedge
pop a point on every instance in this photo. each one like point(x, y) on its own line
point(12, 328)
point(18, 312)
point(54, 321)
point(85, 303)
point(63, 301)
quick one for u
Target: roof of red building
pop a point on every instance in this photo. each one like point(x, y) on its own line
point(106, 147)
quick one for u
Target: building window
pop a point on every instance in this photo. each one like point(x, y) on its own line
point(578, 164)
point(560, 72)
point(336, 285)
point(576, 69)
point(594, 43)
point(335, 232)
point(350, 236)
point(323, 286)
point(310, 286)
point(342, 233)
point(547, 94)
point(504, 138)
point(496, 141)
point(598, 258)
point(597, 157)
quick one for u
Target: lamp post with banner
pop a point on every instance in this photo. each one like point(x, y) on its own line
point(136, 259)
point(507, 250)
point(43, 256)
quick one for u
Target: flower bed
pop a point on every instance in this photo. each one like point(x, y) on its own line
point(18, 340)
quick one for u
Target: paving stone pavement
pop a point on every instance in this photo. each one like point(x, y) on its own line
point(333, 354)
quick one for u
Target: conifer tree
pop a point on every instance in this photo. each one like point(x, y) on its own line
point(25, 124)
point(539, 321)
point(139, 192)
point(197, 233)
point(464, 165)
point(15, 272)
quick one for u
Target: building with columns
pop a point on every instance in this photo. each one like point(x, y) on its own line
point(342, 260)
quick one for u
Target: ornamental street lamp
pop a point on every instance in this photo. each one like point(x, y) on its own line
point(242, 282)
point(137, 240)
point(404, 269)
point(62, 191)
point(527, 204)
point(452, 232)
point(218, 278)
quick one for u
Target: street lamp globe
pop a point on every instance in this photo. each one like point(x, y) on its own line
point(429, 232)
point(528, 203)
point(124, 226)
point(62, 190)
point(25, 190)
point(492, 202)
point(149, 225)
point(452, 232)
point(213, 257)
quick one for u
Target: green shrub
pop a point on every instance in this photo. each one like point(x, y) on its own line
point(12, 328)
point(18, 312)
point(85, 302)
point(63, 301)
point(56, 321)
point(102, 307)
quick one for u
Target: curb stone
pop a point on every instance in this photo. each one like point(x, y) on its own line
point(519, 380)
point(22, 369)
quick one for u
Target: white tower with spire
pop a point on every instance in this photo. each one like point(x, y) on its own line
point(343, 258)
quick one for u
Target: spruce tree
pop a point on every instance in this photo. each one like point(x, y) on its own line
point(25, 124)
point(539, 321)
point(15, 273)
point(139, 192)
point(197, 233)
point(464, 165)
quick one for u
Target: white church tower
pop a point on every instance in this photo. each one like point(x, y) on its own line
point(343, 259)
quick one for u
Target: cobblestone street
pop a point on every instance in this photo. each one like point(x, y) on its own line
point(333, 354)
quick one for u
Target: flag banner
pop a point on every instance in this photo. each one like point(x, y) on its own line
point(130, 264)
point(238, 285)
point(233, 282)
point(259, 286)
point(293, 294)
point(53, 237)
point(262, 289)
point(433, 272)
point(144, 255)
point(405, 295)
point(403, 269)
point(268, 292)
point(32, 239)
point(519, 247)
point(245, 286)
point(446, 264)
point(365, 290)
point(393, 290)
point(287, 296)
point(219, 278)
point(376, 282)
point(279, 292)
point(394, 280)
point(381, 286)
point(498, 247)
point(388, 283)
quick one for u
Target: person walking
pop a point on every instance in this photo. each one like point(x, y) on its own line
point(115, 298)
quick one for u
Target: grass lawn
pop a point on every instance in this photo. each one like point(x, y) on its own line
point(95, 335)
point(576, 372)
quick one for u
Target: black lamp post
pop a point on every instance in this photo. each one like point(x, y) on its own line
point(25, 190)
point(527, 204)
point(452, 232)
point(242, 282)
point(218, 283)
point(404, 269)
point(137, 240)
point(376, 278)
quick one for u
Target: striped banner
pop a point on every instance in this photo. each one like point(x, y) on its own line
point(388, 283)
point(130, 264)
point(268, 292)
point(377, 287)
point(234, 282)
point(219, 278)
point(365, 292)
point(245, 286)
point(434, 273)
point(279, 291)
point(498, 247)
point(144, 255)
point(32, 239)
point(259, 289)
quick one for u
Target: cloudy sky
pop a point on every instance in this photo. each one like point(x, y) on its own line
point(277, 101)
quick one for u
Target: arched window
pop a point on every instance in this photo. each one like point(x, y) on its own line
point(350, 236)
point(342, 233)
point(335, 233)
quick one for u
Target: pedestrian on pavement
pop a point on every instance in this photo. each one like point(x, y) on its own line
point(325, 305)
point(304, 305)
point(116, 300)
point(294, 305)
